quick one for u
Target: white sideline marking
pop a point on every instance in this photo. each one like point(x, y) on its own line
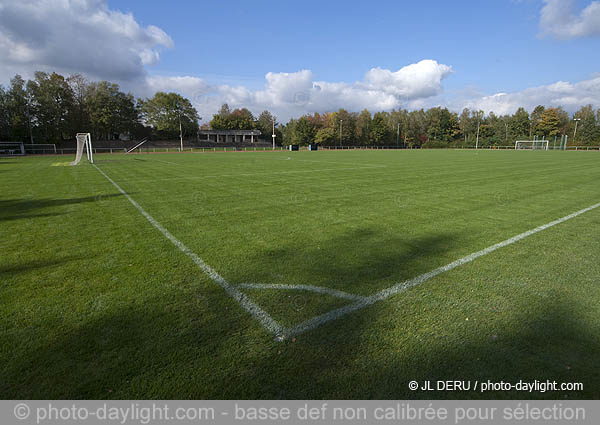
point(403, 286)
point(250, 306)
point(312, 288)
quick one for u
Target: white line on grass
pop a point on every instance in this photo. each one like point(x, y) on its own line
point(250, 306)
point(282, 333)
point(311, 288)
point(403, 286)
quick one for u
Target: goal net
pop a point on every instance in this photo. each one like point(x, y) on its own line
point(11, 148)
point(84, 141)
point(531, 145)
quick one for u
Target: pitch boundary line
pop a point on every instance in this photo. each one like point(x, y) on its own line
point(361, 302)
point(309, 288)
point(403, 286)
point(247, 304)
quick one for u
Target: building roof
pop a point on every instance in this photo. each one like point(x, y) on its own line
point(231, 132)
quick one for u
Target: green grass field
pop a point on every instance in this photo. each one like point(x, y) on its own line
point(97, 303)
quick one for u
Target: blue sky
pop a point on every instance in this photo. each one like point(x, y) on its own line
point(493, 45)
point(492, 54)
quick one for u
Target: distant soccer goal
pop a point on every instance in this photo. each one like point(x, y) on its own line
point(84, 141)
point(11, 148)
point(531, 145)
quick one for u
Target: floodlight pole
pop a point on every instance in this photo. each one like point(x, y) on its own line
point(341, 133)
point(575, 131)
point(477, 140)
point(398, 136)
point(180, 133)
point(273, 133)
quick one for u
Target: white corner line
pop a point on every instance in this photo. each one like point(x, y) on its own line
point(247, 304)
point(403, 286)
point(311, 288)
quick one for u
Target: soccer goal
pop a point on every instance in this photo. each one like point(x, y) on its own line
point(84, 141)
point(531, 145)
point(11, 148)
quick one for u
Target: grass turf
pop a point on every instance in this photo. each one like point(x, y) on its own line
point(96, 303)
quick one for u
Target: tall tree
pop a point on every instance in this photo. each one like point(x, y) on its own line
point(536, 117)
point(363, 127)
point(170, 115)
point(379, 132)
point(520, 124)
point(549, 123)
point(109, 110)
point(588, 130)
point(18, 109)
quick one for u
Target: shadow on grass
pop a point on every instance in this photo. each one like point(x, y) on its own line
point(158, 351)
point(360, 261)
point(14, 209)
point(10, 270)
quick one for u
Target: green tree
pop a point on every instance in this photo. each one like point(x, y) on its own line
point(363, 127)
point(109, 111)
point(241, 119)
point(520, 124)
point(379, 132)
point(53, 105)
point(304, 131)
point(536, 117)
point(588, 131)
point(346, 122)
point(170, 115)
point(18, 112)
point(4, 117)
point(549, 123)
point(265, 122)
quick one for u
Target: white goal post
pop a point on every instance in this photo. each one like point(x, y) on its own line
point(531, 145)
point(84, 141)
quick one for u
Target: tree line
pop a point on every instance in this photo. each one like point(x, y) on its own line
point(52, 108)
point(439, 127)
point(435, 127)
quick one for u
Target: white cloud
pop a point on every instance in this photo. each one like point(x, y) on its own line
point(86, 36)
point(559, 20)
point(76, 36)
point(418, 80)
point(571, 96)
point(188, 85)
point(295, 93)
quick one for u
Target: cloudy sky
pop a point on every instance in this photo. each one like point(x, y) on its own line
point(295, 57)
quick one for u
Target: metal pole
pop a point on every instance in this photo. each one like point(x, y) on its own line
point(477, 140)
point(273, 134)
point(575, 131)
point(398, 136)
point(180, 133)
point(341, 132)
